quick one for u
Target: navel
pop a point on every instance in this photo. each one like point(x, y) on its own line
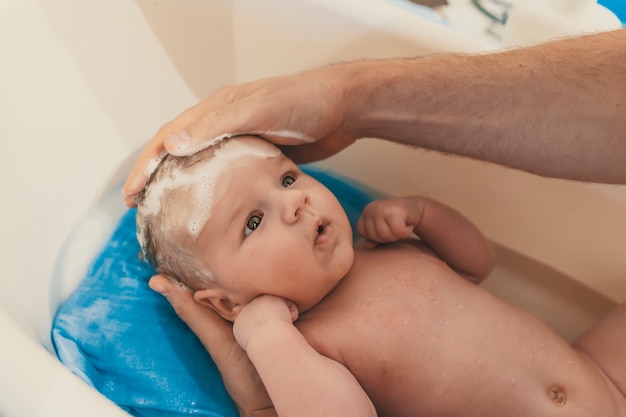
point(556, 393)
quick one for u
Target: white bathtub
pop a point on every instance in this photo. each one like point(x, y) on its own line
point(84, 83)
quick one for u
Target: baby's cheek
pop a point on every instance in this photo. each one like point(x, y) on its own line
point(346, 258)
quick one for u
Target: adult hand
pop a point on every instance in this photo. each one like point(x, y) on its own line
point(456, 104)
point(309, 109)
point(240, 377)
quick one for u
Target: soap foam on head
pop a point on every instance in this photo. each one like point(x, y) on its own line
point(181, 143)
point(153, 163)
point(205, 182)
point(291, 134)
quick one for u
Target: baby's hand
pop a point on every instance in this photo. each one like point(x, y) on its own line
point(389, 220)
point(261, 313)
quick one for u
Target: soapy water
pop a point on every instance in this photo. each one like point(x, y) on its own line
point(181, 144)
point(205, 181)
point(291, 134)
point(153, 163)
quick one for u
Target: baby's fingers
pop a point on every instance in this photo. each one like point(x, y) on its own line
point(398, 227)
point(383, 229)
point(374, 229)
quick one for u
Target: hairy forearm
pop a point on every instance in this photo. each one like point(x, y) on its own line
point(557, 109)
point(300, 381)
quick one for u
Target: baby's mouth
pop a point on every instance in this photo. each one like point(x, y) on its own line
point(323, 233)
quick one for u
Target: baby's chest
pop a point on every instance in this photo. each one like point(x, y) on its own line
point(386, 339)
point(396, 287)
point(388, 306)
point(383, 312)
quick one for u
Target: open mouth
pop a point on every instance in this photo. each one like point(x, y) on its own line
point(323, 233)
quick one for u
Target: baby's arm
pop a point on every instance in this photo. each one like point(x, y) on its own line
point(299, 380)
point(446, 231)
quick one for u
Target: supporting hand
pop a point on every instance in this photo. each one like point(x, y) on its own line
point(240, 377)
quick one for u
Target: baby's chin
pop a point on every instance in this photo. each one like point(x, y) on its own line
point(345, 260)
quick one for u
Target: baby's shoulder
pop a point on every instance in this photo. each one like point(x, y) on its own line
point(404, 247)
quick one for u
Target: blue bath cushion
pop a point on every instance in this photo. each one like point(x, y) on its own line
point(126, 340)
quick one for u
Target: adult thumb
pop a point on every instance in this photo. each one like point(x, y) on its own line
point(205, 131)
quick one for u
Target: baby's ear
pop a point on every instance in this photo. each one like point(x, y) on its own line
point(219, 301)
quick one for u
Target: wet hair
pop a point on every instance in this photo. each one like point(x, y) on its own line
point(165, 242)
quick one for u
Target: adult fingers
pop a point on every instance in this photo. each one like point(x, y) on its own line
point(151, 155)
point(141, 170)
point(202, 320)
point(316, 151)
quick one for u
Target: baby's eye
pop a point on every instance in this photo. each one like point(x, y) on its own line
point(287, 180)
point(252, 223)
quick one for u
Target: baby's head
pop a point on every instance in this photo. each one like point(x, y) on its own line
point(239, 220)
point(177, 201)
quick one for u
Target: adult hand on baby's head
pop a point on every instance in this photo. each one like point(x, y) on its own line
point(261, 313)
point(308, 109)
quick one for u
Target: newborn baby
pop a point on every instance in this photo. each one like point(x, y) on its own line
point(394, 327)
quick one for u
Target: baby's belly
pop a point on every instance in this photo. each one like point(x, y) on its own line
point(443, 347)
point(502, 381)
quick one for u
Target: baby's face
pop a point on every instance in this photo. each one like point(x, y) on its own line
point(274, 230)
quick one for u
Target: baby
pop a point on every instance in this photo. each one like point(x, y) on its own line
point(396, 327)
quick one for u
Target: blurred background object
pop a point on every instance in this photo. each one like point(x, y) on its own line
point(521, 22)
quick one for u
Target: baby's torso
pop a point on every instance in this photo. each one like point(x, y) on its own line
point(421, 340)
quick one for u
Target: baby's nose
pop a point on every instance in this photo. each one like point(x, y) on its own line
point(295, 202)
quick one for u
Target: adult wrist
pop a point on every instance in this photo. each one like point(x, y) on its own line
point(381, 97)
